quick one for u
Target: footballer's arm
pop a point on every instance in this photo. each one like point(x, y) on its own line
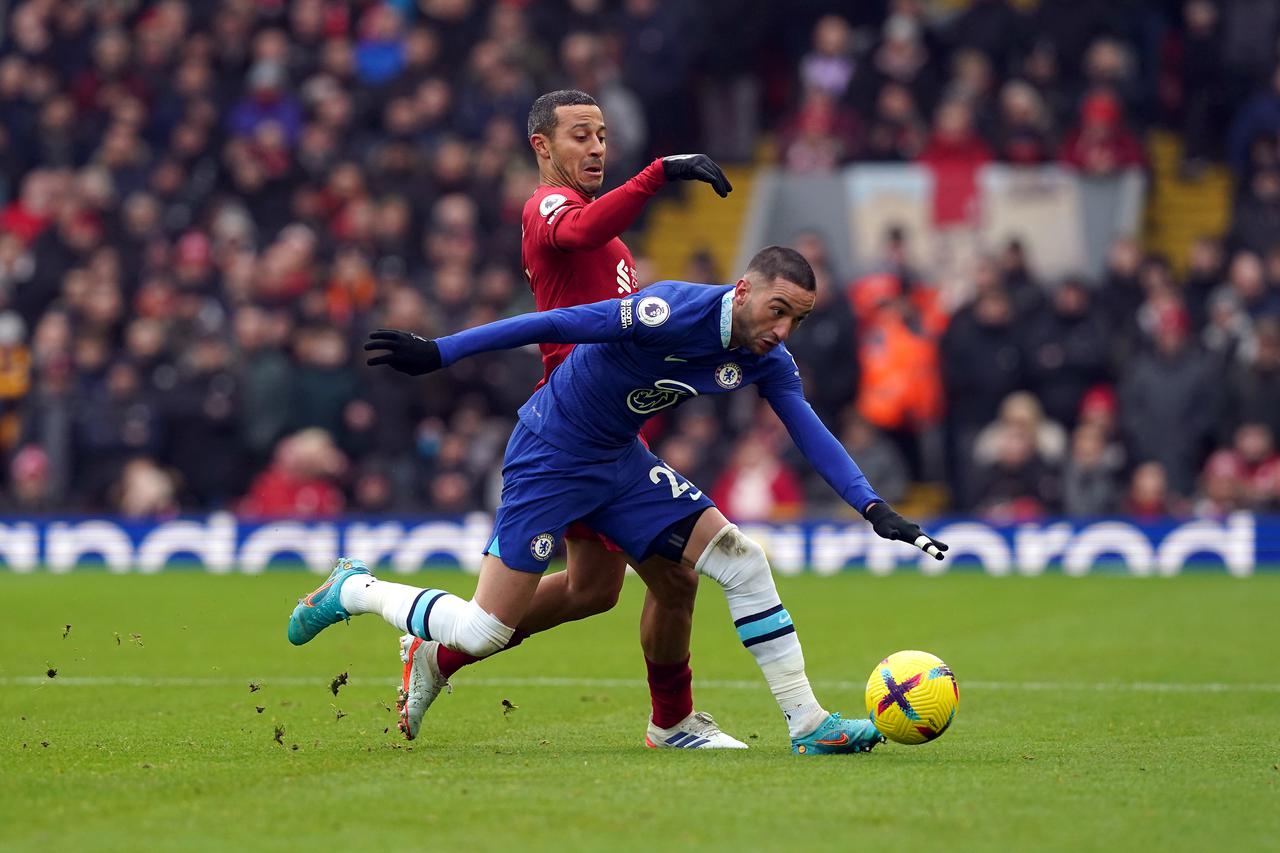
point(830, 459)
point(593, 323)
point(580, 227)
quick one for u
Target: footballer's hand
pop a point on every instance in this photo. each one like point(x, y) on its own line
point(696, 167)
point(889, 525)
point(403, 351)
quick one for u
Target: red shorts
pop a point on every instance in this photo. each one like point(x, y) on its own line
point(581, 532)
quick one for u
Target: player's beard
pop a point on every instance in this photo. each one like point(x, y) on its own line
point(570, 176)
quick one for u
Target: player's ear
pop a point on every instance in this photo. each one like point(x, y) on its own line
point(541, 145)
point(741, 290)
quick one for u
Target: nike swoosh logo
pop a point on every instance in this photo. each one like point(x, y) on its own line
point(674, 358)
point(841, 741)
point(309, 601)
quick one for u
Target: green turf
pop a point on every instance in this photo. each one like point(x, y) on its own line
point(135, 759)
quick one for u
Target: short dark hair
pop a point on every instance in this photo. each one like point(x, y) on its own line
point(542, 115)
point(781, 262)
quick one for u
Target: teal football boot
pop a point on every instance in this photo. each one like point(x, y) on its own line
point(838, 735)
point(323, 607)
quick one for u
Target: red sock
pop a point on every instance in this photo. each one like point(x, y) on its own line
point(451, 661)
point(671, 691)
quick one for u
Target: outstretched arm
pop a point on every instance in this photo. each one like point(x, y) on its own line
point(824, 452)
point(832, 461)
point(580, 227)
point(581, 324)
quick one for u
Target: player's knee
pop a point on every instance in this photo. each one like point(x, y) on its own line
point(478, 633)
point(734, 558)
point(677, 589)
point(597, 596)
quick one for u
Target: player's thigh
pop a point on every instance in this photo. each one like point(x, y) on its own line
point(595, 570)
point(543, 489)
point(504, 592)
point(649, 497)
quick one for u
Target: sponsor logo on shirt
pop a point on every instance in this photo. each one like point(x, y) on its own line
point(653, 311)
point(542, 546)
point(664, 394)
point(550, 204)
point(626, 277)
point(729, 375)
point(626, 311)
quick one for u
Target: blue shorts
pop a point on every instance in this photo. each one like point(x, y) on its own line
point(631, 499)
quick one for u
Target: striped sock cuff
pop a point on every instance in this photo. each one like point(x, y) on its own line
point(764, 626)
point(420, 612)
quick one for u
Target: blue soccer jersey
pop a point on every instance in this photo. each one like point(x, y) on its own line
point(650, 352)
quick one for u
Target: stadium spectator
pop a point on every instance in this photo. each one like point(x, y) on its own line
point(903, 60)
point(827, 353)
point(1257, 121)
point(1067, 350)
point(31, 489)
point(1149, 497)
point(656, 59)
point(993, 27)
point(1090, 477)
point(1255, 220)
point(300, 483)
point(900, 392)
point(267, 105)
point(820, 135)
point(877, 456)
point(144, 490)
point(1021, 411)
point(1204, 274)
point(1024, 132)
point(828, 67)
point(1110, 66)
point(1017, 485)
point(954, 153)
point(1245, 475)
point(1196, 74)
point(1221, 491)
point(1101, 143)
point(1253, 386)
point(1174, 383)
point(756, 485)
point(895, 132)
point(982, 363)
point(1246, 281)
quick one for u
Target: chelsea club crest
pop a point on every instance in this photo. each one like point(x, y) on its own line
point(729, 375)
point(542, 546)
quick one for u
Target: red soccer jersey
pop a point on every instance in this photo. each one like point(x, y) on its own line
point(571, 250)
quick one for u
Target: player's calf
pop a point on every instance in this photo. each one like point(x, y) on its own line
point(431, 614)
point(764, 626)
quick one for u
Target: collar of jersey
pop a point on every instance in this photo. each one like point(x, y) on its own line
point(726, 317)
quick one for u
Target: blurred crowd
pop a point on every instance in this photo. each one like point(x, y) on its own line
point(205, 206)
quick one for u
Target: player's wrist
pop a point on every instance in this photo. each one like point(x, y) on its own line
point(656, 171)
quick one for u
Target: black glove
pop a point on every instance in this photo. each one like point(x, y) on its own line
point(405, 352)
point(889, 525)
point(696, 167)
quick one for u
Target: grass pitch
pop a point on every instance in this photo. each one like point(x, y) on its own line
point(1098, 713)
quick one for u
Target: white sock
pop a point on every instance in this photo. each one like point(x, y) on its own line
point(366, 594)
point(739, 565)
point(795, 697)
point(431, 614)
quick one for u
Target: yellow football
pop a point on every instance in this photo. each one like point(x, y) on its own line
point(912, 697)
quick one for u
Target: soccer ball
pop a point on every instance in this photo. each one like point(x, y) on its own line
point(912, 697)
